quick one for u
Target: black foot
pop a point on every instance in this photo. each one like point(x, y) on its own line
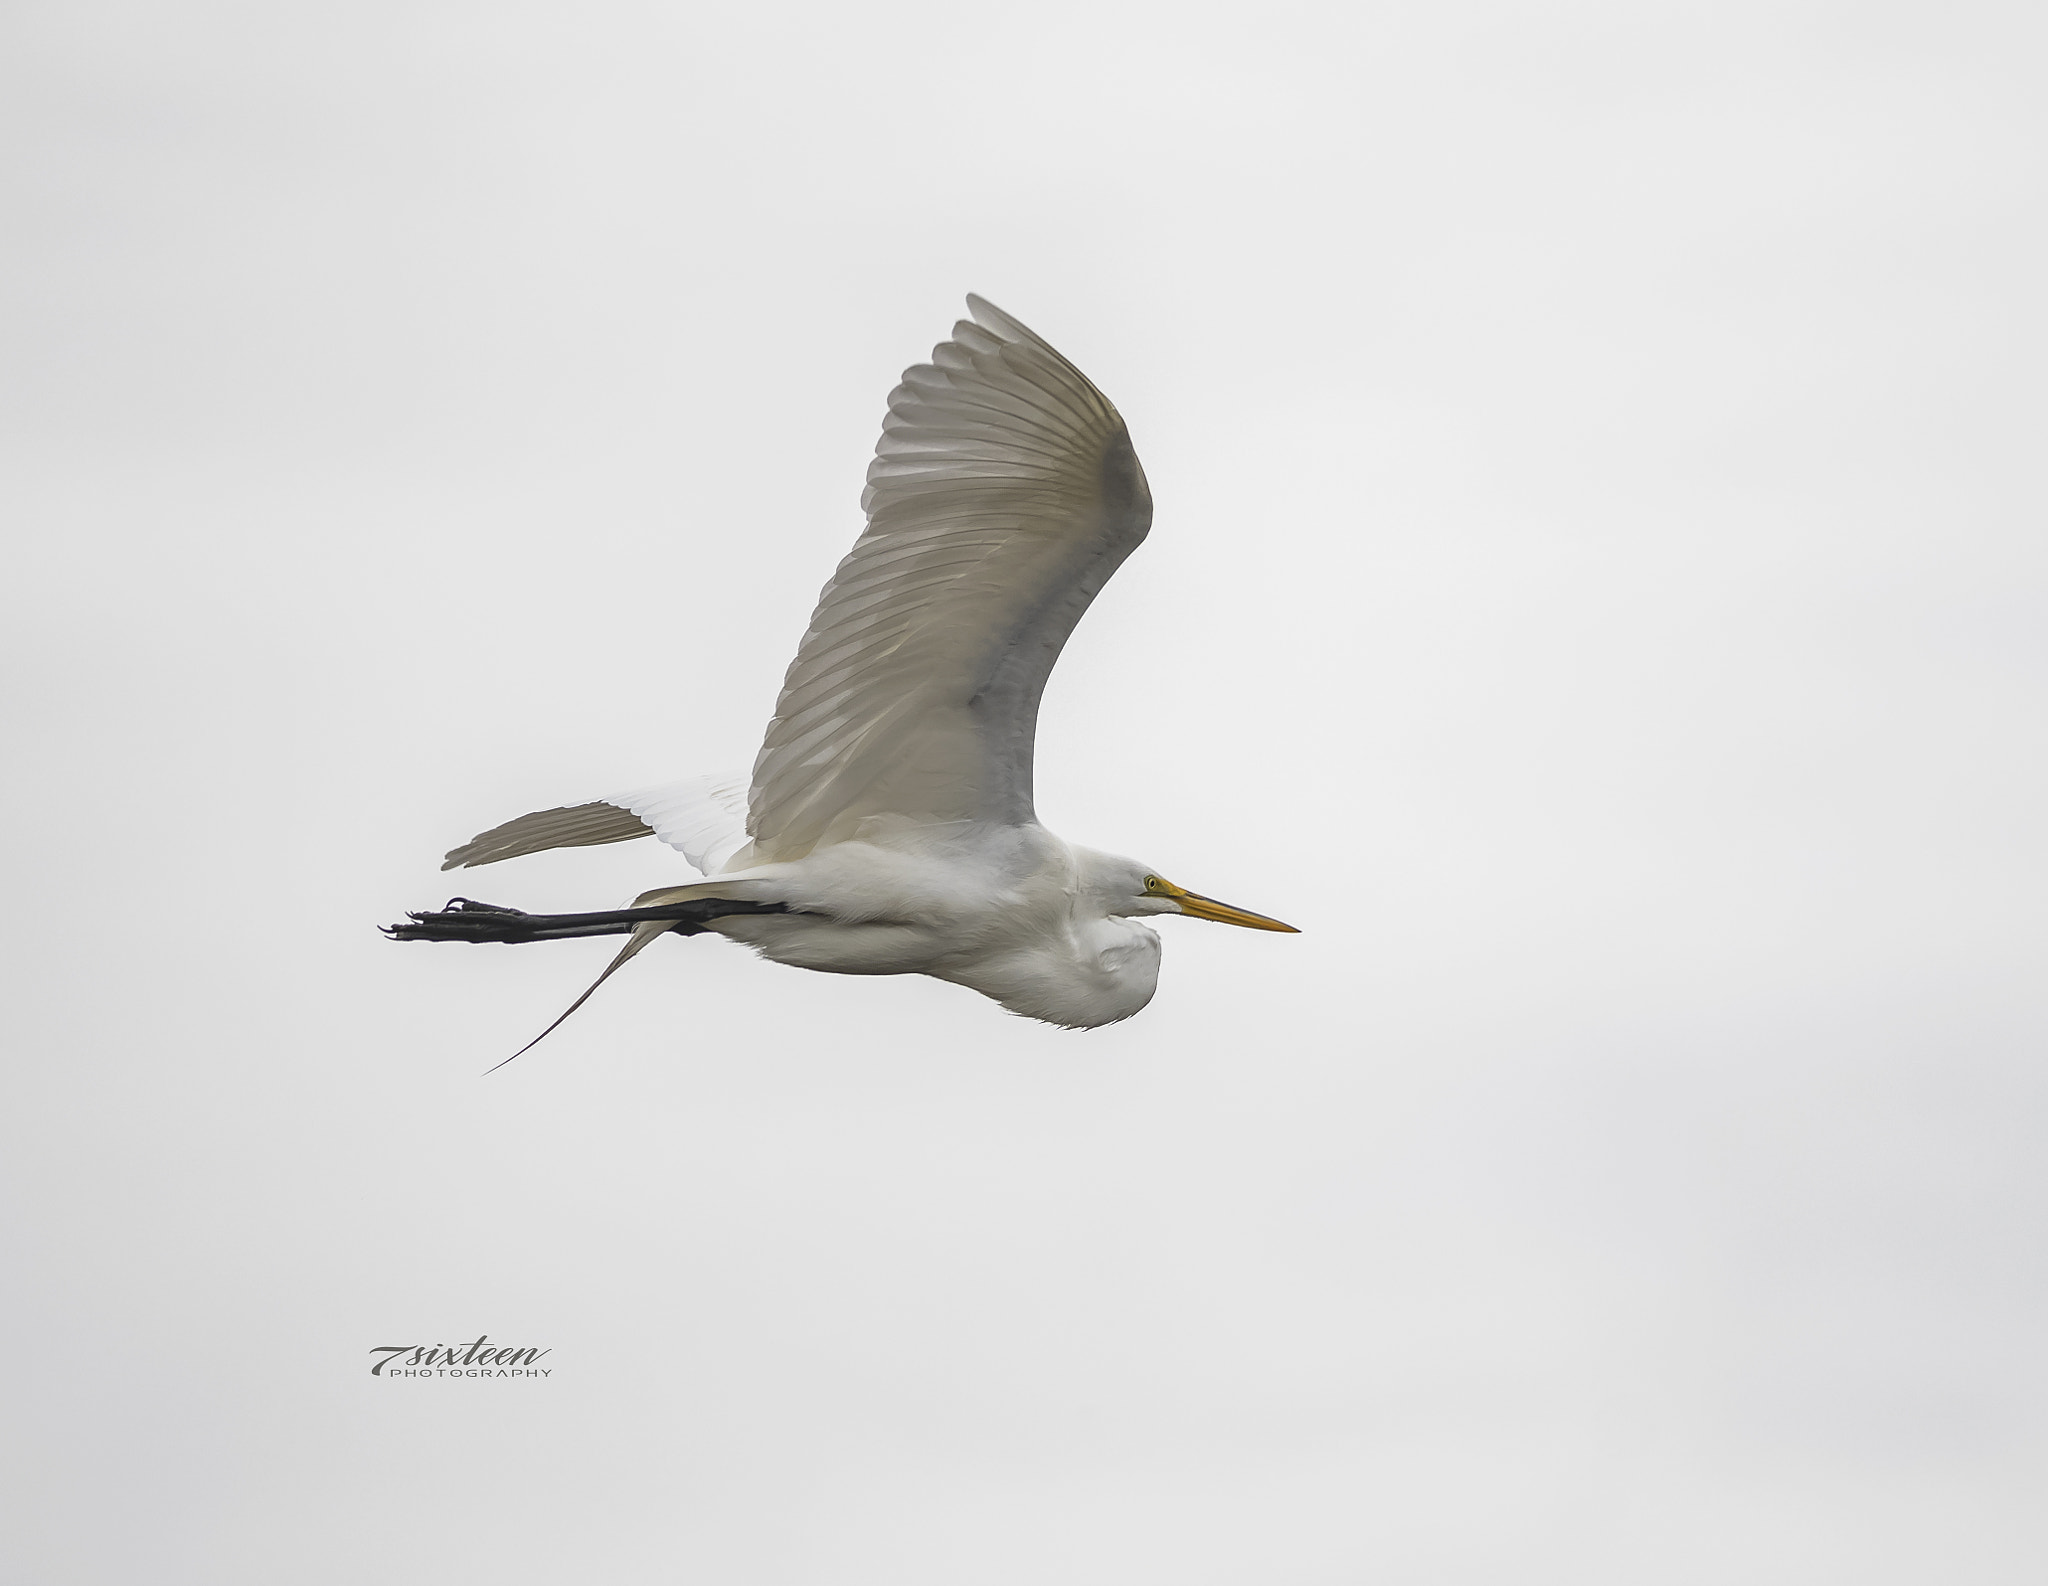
point(466, 920)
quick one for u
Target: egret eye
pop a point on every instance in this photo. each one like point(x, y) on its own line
point(1153, 884)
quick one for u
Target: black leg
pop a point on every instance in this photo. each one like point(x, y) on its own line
point(465, 920)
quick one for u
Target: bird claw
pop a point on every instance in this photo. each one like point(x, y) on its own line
point(461, 920)
point(471, 906)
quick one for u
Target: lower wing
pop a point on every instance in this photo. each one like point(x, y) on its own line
point(704, 818)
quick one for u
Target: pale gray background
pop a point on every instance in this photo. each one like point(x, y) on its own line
point(1596, 591)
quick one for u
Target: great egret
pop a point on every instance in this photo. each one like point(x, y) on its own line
point(887, 827)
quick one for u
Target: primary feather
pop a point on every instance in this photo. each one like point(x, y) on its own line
point(573, 826)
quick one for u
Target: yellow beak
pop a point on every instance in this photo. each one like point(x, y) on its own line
point(1222, 913)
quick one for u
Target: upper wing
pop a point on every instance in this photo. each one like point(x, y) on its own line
point(1003, 494)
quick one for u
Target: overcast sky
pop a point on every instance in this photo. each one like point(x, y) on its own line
point(1596, 591)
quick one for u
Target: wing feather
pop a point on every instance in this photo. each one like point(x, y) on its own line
point(1003, 494)
point(704, 817)
point(573, 826)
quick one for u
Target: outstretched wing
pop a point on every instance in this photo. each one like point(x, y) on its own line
point(1003, 494)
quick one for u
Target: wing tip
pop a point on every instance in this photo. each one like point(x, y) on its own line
point(1008, 326)
point(567, 826)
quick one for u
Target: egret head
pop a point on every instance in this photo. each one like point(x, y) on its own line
point(1126, 888)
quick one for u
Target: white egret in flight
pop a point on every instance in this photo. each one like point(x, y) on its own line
point(887, 827)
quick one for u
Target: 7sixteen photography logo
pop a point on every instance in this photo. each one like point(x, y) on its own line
point(480, 1359)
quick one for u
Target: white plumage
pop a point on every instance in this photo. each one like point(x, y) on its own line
point(890, 809)
point(704, 818)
